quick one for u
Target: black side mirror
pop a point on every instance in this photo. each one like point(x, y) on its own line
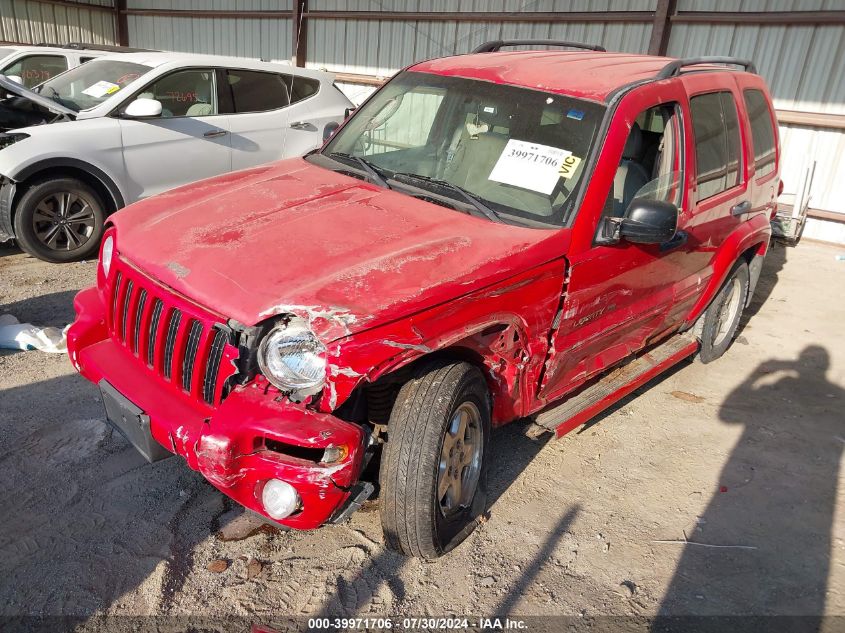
point(329, 130)
point(348, 112)
point(649, 221)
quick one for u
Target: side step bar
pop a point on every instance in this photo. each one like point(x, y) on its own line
point(612, 387)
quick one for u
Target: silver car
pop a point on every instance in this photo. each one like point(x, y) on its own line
point(124, 127)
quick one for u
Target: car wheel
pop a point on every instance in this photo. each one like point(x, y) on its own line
point(433, 472)
point(721, 319)
point(59, 220)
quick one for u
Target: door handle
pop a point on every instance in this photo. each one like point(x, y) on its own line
point(303, 125)
point(679, 240)
point(215, 133)
point(742, 208)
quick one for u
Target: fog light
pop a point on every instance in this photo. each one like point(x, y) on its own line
point(280, 499)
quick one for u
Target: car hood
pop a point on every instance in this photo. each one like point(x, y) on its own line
point(8, 85)
point(291, 237)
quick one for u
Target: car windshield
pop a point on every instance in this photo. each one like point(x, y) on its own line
point(91, 83)
point(519, 153)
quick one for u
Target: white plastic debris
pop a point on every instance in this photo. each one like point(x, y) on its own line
point(25, 336)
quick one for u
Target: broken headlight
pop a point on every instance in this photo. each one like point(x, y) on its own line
point(293, 358)
point(10, 139)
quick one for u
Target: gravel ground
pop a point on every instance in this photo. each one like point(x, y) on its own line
point(612, 519)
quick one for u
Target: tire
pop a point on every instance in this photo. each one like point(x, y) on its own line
point(417, 521)
point(60, 220)
point(721, 319)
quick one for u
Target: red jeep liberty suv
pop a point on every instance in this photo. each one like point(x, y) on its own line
point(488, 237)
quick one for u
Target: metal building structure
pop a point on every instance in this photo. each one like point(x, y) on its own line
point(798, 45)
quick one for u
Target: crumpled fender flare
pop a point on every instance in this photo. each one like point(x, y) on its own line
point(745, 237)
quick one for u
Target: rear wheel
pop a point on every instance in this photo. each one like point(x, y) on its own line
point(433, 473)
point(721, 319)
point(59, 220)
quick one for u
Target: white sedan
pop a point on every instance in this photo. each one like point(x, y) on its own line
point(124, 127)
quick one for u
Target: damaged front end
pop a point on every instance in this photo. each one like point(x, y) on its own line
point(194, 381)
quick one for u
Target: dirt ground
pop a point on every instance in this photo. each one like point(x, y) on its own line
point(743, 454)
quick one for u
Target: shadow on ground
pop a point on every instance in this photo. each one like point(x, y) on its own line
point(772, 511)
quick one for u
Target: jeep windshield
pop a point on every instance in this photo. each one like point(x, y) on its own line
point(514, 152)
point(90, 84)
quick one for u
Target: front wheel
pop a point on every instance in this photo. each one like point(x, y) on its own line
point(721, 319)
point(433, 472)
point(59, 220)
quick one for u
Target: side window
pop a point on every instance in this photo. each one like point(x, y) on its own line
point(35, 69)
point(82, 60)
point(301, 87)
point(254, 91)
point(652, 161)
point(184, 93)
point(717, 143)
point(732, 139)
point(762, 131)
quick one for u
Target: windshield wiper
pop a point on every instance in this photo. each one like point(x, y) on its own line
point(486, 211)
point(371, 170)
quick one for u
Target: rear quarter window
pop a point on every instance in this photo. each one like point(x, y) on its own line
point(762, 131)
point(254, 91)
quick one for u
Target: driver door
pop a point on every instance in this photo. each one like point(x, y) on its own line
point(619, 296)
point(188, 142)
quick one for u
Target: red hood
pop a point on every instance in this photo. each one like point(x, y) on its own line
point(291, 237)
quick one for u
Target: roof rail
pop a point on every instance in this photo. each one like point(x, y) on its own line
point(494, 45)
point(673, 68)
point(106, 47)
point(84, 46)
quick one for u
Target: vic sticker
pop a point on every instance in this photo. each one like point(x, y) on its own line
point(569, 165)
point(529, 166)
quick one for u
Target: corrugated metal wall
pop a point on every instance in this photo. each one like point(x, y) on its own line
point(381, 47)
point(265, 38)
point(35, 22)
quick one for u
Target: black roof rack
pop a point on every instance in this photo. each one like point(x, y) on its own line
point(495, 45)
point(674, 68)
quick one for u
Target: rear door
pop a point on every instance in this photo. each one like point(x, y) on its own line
point(188, 142)
point(721, 197)
point(272, 115)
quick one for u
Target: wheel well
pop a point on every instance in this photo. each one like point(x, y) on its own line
point(749, 253)
point(88, 178)
point(373, 401)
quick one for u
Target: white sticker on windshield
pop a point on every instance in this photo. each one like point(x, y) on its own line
point(101, 89)
point(529, 166)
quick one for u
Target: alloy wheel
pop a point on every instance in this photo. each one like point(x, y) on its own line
point(460, 460)
point(63, 221)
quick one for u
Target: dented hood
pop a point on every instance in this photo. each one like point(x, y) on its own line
point(291, 237)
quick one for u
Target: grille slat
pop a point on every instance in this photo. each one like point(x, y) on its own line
point(212, 368)
point(127, 299)
point(170, 342)
point(185, 345)
point(139, 312)
point(152, 335)
point(191, 354)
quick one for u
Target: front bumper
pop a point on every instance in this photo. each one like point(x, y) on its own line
point(238, 445)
